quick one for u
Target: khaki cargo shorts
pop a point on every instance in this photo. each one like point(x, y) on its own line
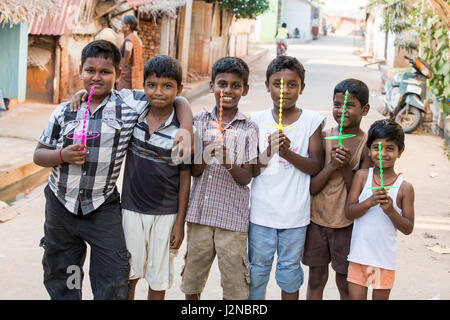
point(203, 242)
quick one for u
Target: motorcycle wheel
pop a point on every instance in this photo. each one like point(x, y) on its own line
point(409, 118)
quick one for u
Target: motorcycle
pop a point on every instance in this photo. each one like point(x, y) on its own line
point(281, 50)
point(404, 96)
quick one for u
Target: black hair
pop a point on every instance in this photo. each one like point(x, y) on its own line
point(231, 65)
point(285, 62)
point(164, 66)
point(386, 129)
point(101, 48)
point(283, 25)
point(356, 87)
point(131, 21)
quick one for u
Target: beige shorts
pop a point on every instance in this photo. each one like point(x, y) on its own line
point(203, 242)
point(148, 240)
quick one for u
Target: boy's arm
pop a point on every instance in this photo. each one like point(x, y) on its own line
point(318, 182)
point(45, 156)
point(46, 153)
point(276, 142)
point(353, 208)
point(310, 165)
point(405, 221)
point(77, 99)
point(347, 171)
point(261, 162)
point(366, 162)
point(185, 117)
point(340, 157)
point(197, 169)
point(242, 174)
point(177, 235)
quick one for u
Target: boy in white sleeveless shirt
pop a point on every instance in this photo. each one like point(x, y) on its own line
point(377, 214)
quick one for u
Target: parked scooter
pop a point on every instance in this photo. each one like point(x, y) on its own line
point(405, 95)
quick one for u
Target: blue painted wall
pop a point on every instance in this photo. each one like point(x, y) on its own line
point(13, 60)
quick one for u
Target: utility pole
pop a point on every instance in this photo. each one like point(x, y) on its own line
point(186, 38)
point(422, 13)
point(280, 4)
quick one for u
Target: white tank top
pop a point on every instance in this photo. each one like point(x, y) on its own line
point(374, 236)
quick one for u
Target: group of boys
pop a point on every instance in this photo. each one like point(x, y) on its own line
point(299, 208)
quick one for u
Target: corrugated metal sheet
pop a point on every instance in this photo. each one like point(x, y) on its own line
point(56, 25)
point(136, 3)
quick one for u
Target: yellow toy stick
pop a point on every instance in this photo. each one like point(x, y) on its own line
point(280, 124)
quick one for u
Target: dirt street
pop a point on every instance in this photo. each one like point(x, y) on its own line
point(421, 272)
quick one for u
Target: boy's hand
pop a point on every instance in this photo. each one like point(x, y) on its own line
point(182, 148)
point(279, 142)
point(77, 99)
point(177, 235)
point(385, 201)
point(221, 153)
point(73, 154)
point(340, 157)
point(372, 201)
point(285, 144)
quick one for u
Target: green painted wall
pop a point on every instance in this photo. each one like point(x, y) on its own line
point(268, 23)
point(13, 60)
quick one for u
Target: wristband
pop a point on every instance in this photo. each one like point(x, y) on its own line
point(60, 156)
point(231, 167)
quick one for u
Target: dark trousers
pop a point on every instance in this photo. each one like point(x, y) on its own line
point(64, 243)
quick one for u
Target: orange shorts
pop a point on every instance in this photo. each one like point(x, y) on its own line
point(377, 278)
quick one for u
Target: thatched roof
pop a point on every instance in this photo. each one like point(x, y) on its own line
point(18, 11)
point(162, 7)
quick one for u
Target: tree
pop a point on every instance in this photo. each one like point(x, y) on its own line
point(395, 13)
point(431, 28)
point(244, 9)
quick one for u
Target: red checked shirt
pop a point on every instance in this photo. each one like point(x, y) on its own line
point(216, 199)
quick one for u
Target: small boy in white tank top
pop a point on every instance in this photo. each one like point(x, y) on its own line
point(378, 214)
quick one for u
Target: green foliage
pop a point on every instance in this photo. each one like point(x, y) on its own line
point(431, 34)
point(434, 38)
point(395, 14)
point(244, 9)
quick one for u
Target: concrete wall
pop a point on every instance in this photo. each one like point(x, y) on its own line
point(379, 38)
point(71, 48)
point(266, 25)
point(297, 14)
point(375, 43)
point(13, 60)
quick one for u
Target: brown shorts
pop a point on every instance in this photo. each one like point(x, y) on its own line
point(203, 242)
point(324, 244)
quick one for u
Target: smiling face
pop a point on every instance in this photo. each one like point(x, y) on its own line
point(161, 91)
point(292, 88)
point(353, 110)
point(389, 153)
point(100, 73)
point(233, 89)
